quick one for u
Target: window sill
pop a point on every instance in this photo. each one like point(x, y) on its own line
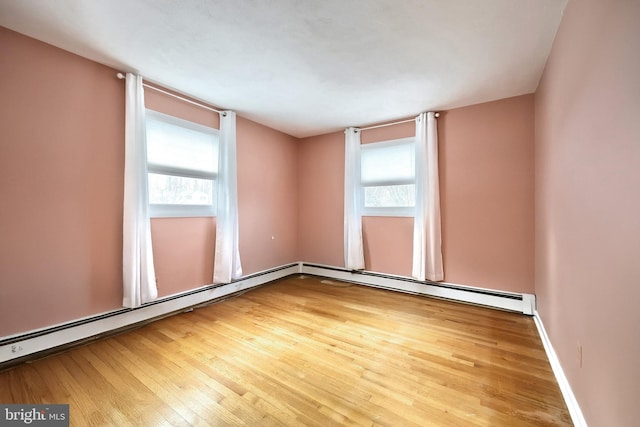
point(399, 212)
point(180, 211)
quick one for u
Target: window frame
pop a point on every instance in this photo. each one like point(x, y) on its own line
point(169, 210)
point(393, 211)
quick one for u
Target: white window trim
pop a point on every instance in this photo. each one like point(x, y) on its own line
point(180, 211)
point(386, 211)
point(408, 212)
point(157, 210)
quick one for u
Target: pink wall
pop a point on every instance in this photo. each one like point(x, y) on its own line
point(388, 244)
point(486, 184)
point(588, 205)
point(486, 164)
point(320, 199)
point(182, 253)
point(61, 179)
point(61, 166)
point(267, 197)
point(166, 104)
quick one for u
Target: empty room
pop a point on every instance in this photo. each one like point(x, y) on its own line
point(316, 213)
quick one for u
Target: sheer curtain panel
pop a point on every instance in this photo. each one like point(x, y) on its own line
point(227, 265)
point(353, 248)
point(427, 252)
point(139, 277)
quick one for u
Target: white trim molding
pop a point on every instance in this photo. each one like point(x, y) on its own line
point(523, 303)
point(32, 342)
point(565, 388)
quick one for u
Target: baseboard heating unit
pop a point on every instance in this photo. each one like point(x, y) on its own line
point(17, 348)
point(26, 346)
point(523, 303)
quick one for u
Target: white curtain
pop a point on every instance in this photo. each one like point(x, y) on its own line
point(427, 253)
point(139, 277)
point(227, 265)
point(353, 248)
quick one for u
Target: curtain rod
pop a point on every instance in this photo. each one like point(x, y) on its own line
point(392, 123)
point(206, 107)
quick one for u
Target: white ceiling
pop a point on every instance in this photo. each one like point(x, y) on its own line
point(309, 67)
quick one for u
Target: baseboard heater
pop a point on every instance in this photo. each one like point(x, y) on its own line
point(519, 302)
point(26, 346)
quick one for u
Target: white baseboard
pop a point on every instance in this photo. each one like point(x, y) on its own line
point(570, 399)
point(58, 335)
point(524, 303)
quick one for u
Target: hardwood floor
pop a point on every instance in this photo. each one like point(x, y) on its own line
point(307, 351)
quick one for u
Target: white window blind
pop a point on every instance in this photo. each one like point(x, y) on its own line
point(388, 177)
point(182, 159)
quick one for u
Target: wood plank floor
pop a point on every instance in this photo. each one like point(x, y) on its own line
point(307, 351)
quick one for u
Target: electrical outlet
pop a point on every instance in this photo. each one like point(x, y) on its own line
point(16, 348)
point(579, 355)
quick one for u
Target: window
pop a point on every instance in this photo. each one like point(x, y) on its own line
point(182, 159)
point(387, 171)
